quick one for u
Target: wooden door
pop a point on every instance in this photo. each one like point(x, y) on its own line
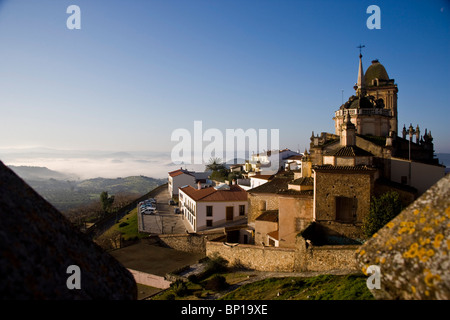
point(229, 213)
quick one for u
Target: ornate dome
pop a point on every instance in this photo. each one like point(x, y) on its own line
point(376, 70)
point(365, 102)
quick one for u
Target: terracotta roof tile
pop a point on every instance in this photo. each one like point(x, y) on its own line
point(351, 151)
point(307, 181)
point(277, 184)
point(235, 193)
point(178, 172)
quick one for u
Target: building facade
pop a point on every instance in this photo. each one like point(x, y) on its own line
point(212, 207)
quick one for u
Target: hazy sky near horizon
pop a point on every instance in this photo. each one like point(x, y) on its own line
point(138, 70)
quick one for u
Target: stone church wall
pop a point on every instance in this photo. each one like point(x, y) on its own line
point(330, 185)
point(259, 202)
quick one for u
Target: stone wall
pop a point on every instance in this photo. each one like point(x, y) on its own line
point(193, 242)
point(357, 185)
point(301, 258)
point(295, 212)
point(254, 257)
point(326, 258)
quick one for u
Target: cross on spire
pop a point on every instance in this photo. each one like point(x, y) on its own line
point(360, 47)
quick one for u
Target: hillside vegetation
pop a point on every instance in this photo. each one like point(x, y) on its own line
point(324, 287)
point(66, 194)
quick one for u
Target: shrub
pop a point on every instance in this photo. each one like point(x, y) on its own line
point(193, 278)
point(216, 283)
point(382, 210)
point(170, 296)
point(216, 264)
point(179, 288)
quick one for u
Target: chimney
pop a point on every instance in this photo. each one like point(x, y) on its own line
point(199, 185)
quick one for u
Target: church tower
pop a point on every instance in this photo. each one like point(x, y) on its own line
point(373, 108)
point(381, 87)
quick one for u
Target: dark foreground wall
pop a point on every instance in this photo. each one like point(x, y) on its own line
point(38, 244)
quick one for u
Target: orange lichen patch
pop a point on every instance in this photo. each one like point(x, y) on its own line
point(416, 212)
point(383, 260)
point(447, 212)
point(364, 269)
point(413, 289)
point(412, 251)
point(427, 228)
point(362, 252)
point(437, 240)
point(448, 244)
point(420, 252)
point(375, 235)
point(423, 241)
point(390, 225)
point(406, 227)
point(430, 278)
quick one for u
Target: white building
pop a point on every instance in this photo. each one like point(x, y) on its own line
point(259, 179)
point(293, 162)
point(270, 162)
point(212, 206)
point(183, 177)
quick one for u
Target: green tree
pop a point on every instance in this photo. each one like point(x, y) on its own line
point(106, 201)
point(382, 210)
point(219, 170)
point(215, 164)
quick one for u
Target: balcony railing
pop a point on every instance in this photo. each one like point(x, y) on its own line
point(375, 111)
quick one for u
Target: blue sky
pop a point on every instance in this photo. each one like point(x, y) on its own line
point(138, 70)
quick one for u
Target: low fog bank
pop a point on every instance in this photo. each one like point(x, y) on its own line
point(83, 165)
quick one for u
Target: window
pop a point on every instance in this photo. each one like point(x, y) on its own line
point(209, 223)
point(346, 209)
point(242, 210)
point(209, 211)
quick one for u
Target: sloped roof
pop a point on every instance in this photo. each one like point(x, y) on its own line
point(351, 151)
point(235, 193)
point(306, 181)
point(277, 184)
point(262, 176)
point(329, 167)
point(274, 234)
point(268, 215)
point(179, 172)
point(38, 244)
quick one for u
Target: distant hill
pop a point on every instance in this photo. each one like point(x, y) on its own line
point(40, 173)
point(65, 193)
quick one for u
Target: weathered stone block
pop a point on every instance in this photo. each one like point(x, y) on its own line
point(412, 250)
